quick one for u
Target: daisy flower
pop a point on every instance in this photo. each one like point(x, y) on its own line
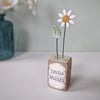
point(66, 18)
point(7, 4)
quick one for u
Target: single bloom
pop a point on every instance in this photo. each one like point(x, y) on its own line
point(7, 4)
point(56, 32)
point(66, 18)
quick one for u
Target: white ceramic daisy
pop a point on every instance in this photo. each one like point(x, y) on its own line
point(66, 18)
point(8, 4)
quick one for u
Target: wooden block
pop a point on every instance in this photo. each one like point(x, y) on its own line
point(59, 72)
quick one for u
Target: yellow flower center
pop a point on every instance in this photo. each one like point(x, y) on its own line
point(65, 18)
point(6, 3)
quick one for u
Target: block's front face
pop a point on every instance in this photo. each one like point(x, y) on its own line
point(57, 76)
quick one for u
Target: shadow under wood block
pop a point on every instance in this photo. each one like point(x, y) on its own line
point(59, 72)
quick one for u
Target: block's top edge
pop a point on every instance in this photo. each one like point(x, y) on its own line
point(60, 59)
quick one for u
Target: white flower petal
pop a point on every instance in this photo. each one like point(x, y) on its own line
point(62, 24)
point(64, 12)
point(72, 16)
point(71, 21)
point(69, 12)
point(67, 25)
point(60, 15)
point(59, 20)
point(12, 5)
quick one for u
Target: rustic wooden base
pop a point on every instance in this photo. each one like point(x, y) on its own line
point(59, 72)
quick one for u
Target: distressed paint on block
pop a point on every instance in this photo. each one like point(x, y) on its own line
point(59, 72)
point(57, 75)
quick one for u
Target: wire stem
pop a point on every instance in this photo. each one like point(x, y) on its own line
point(57, 47)
point(64, 41)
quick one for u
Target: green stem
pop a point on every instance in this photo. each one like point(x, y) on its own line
point(64, 41)
point(57, 47)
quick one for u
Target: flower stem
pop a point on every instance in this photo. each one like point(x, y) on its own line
point(64, 41)
point(57, 47)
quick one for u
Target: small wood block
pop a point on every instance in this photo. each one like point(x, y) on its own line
point(59, 72)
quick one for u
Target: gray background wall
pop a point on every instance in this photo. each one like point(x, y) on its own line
point(33, 33)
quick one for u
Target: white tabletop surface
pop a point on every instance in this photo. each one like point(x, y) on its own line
point(24, 77)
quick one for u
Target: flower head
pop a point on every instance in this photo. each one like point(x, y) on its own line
point(7, 4)
point(56, 32)
point(66, 18)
